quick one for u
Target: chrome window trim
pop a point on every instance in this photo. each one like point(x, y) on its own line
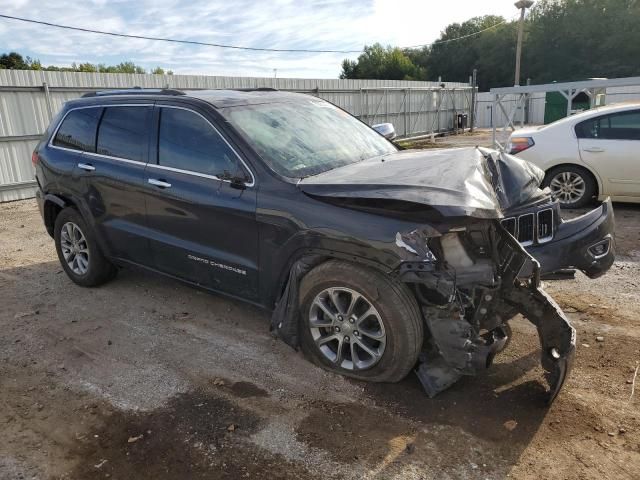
point(55, 132)
point(198, 174)
point(153, 165)
point(119, 159)
point(187, 172)
point(549, 237)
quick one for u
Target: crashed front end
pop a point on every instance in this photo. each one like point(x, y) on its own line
point(470, 282)
point(468, 272)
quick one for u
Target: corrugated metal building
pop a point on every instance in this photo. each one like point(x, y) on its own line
point(29, 99)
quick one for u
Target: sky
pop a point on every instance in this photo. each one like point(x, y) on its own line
point(324, 24)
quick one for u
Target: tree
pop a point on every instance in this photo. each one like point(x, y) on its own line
point(578, 39)
point(13, 61)
point(458, 51)
point(377, 61)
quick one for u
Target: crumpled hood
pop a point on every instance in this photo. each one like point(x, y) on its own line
point(472, 182)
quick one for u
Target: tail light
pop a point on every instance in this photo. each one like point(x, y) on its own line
point(34, 158)
point(520, 144)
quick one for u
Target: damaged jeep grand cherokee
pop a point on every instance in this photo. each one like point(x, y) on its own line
point(375, 261)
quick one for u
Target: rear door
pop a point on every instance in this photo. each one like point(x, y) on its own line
point(610, 144)
point(110, 175)
point(204, 227)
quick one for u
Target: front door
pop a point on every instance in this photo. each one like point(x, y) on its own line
point(610, 145)
point(203, 226)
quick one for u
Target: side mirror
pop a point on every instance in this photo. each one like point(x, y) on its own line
point(386, 130)
point(238, 181)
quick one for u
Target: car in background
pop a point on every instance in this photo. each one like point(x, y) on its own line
point(594, 154)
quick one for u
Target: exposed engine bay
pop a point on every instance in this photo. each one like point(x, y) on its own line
point(469, 285)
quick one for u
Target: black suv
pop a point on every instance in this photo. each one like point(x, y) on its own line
point(373, 259)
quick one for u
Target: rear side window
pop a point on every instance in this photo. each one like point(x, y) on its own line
point(78, 130)
point(188, 142)
point(618, 126)
point(124, 132)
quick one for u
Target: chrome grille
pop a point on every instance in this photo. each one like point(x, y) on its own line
point(545, 225)
point(531, 228)
point(526, 230)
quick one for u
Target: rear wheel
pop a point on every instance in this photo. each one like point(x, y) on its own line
point(359, 323)
point(573, 186)
point(78, 251)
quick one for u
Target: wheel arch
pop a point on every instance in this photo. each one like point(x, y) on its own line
point(314, 257)
point(52, 206)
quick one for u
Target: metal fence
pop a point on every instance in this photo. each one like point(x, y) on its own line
point(532, 111)
point(29, 99)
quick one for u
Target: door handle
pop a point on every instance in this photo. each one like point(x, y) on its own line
point(86, 166)
point(159, 183)
point(594, 150)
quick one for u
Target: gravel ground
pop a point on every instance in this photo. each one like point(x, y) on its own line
point(148, 378)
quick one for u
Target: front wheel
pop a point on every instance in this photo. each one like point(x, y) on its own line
point(357, 322)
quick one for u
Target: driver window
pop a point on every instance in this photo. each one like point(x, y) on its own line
point(188, 142)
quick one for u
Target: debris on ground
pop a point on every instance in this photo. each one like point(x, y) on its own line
point(510, 425)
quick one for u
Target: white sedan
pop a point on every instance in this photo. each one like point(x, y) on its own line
point(592, 154)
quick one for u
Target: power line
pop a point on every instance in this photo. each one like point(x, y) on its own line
point(172, 40)
point(220, 45)
point(437, 42)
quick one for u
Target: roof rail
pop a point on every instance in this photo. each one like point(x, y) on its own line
point(258, 89)
point(135, 91)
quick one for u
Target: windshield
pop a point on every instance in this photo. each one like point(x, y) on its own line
point(304, 138)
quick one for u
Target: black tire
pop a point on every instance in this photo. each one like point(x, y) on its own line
point(590, 186)
point(393, 301)
point(98, 269)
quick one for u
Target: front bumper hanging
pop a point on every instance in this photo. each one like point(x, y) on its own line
point(456, 348)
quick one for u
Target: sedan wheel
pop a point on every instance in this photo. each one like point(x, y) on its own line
point(568, 187)
point(572, 185)
point(347, 328)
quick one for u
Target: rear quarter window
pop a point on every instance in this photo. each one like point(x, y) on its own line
point(78, 130)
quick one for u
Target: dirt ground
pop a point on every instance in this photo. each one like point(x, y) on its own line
point(148, 378)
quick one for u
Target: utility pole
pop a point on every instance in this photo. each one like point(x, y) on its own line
point(522, 5)
point(474, 87)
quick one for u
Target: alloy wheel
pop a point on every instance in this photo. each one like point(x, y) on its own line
point(347, 328)
point(74, 248)
point(568, 187)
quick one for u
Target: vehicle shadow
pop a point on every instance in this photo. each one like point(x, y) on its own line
point(480, 405)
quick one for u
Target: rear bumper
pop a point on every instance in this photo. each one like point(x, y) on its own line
point(585, 243)
point(40, 201)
